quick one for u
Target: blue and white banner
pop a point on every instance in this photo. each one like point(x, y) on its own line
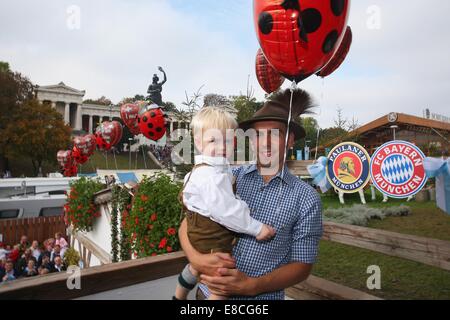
point(318, 172)
point(440, 169)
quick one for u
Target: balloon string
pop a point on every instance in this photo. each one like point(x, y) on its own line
point(136, 160)
point(292, 88)
point(115, 160)
point(106, 157)
point(143, 154)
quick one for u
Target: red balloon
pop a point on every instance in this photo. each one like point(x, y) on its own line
point(299, 37)
point(152, 122)
point(269, 78)
point(71, 171)
point(340, 55)
point(64, 158)
point(78, 156)
point(108, 134)
point(85, 144)
point(129, 113)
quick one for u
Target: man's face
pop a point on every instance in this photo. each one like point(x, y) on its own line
point(270, 143)
point(8, 266)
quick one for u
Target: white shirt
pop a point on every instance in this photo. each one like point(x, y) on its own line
point(209, 192)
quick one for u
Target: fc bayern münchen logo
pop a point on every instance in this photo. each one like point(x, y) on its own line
point(397, 169)
point(348, 167)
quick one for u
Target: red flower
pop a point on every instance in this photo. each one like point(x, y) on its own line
point(153, 254)
point(136, 220)
point(152, 245)
point(169, 249)
point(162, 243)
point(153, 217)
point(171, 231)
point(150, 226)
point(144, 198)
point(141, 209)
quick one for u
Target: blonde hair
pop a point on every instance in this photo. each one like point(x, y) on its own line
point(212, 118)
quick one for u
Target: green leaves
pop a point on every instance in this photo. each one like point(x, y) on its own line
point(152, 223)
point(80, 209)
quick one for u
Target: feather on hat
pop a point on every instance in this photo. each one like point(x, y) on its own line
point(276, 108)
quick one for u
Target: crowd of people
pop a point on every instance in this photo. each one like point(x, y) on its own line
point(162, 153)
point(29, 260)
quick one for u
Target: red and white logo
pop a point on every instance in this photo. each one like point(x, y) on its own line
point(397, 169)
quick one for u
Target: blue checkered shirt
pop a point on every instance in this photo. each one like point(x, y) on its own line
point(295, 213)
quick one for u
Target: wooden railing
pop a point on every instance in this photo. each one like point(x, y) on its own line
point(87, 248)
point(40, 228)
point(424, 250)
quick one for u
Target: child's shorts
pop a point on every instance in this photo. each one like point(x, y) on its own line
point(207, 236)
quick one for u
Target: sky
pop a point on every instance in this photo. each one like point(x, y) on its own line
point(398, 62)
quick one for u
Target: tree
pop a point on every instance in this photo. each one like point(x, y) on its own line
point(245, 106)
point(4, 66)
point(101, 101)
point(169, 106)
point(311, 127)
point(340, 122)
point(37, 134)
point(15, 89)
point(215, 100)
point(137, 97)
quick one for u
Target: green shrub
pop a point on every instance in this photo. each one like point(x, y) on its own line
point(152, 223)
point(80, 210)
point(360, 214)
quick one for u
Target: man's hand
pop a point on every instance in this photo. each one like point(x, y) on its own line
point(230, 282)
point(204, 263)
point(210, 263)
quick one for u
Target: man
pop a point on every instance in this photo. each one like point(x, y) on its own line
point(276, 197)
point(58, 265)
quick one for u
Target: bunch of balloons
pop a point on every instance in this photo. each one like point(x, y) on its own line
point(300, 38)
point(145, 119)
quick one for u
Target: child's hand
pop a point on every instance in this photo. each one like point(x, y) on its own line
point(266, 233)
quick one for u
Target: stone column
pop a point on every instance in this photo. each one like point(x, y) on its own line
point(67, 114)
point(78, 120)
point(91, 124)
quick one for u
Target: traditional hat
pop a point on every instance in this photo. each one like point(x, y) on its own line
point(276, 108)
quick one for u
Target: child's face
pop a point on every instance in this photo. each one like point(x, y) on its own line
point(216, 143)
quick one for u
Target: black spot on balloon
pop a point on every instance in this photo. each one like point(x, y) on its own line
point(150, 125)
point(330, 41)
point(144, 119)
point(151, 133)
point(152, 114)
point(337, 6)
point(265, 22)
point(303, 34)
point(158, 129)
point(312, 19)
point(139, 119)
point(291, 4)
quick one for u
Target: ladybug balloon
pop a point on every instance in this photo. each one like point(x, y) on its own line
point(340, 55)
point(152, 122)
point(85, 145)
point(299, 37)
point(129, 113)
point(269, 78)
